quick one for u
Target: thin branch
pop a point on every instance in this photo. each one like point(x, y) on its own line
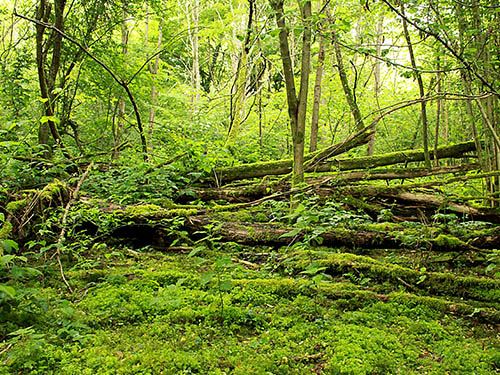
point(436, 36)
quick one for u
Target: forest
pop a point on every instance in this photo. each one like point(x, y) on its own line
point(249, 187)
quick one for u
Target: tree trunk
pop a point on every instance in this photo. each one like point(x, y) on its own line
point(349, 95)
point(313, 143)
point(296, 105)
point(240, 84)
point(420, 88)
point(153, 69)
point(120, 124)
point(196, 53)
point(438, 112)
point(47, 78)
point(376, 75)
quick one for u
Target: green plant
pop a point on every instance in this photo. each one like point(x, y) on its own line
point(216, 276)
point(494, 263)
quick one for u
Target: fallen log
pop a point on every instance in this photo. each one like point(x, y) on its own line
point(281, 167)
point(399, 173)
point(453, 151)
point(249, 192)
point(277, 235)
point(470, 287)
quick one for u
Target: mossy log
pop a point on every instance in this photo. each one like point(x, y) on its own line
point(398, 173)
point(32, 204)
point(247, 193)
point(413, 202)
point(446, 284)
point(370, 237)
point(453, 151)
point(281, 167)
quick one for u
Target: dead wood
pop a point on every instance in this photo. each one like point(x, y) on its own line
point(315, 162)
point(250, 192)
point(276, 235)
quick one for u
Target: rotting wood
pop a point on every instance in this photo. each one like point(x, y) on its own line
point(249, 192)
point(281, 167)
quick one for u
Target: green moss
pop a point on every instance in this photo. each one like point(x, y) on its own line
point(16, 205)
point(449, 241)
point(261, 217)
point(235, 216)
point(477, 288)
point(53, 190)
point(6, 230)
point(182, 212)
point(382, 227)
point(155, 211)
point(168, 204)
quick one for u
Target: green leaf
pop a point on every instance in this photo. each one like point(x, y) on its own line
point(10, 291)
point(207, 277)
point(292, 233)
point(225, 285)
point(223, 261)
point(6, 259)
point(45, 119)
point(318, 278)
point(195, 251)
point(8, 245)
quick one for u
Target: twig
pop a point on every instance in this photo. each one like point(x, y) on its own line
point(64, 221)
point(249, 264)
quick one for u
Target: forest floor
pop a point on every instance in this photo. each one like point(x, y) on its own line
point(221, 307)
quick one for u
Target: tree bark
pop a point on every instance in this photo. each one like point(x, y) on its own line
point(297, 105)
point(376, 75)
point(240, 83)
point(349, 95)
point(196, 53)
point(120, 124)
point(313, 143)
point(47, 78)
point(153, 69)
point(281, 167)
point(418, 75)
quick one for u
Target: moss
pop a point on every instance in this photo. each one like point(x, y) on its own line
point(449, 241)
point(16, 205)
point(169, 205)
point(182, 212)
point(247, 216)
point(228, 207)
point(6, 230)
point(480, 289)
point(238, 216)
point(153, 210)
point(382, 227)
point(261, 217)
point(53, 189)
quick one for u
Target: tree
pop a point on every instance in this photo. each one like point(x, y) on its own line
point(297, 104)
